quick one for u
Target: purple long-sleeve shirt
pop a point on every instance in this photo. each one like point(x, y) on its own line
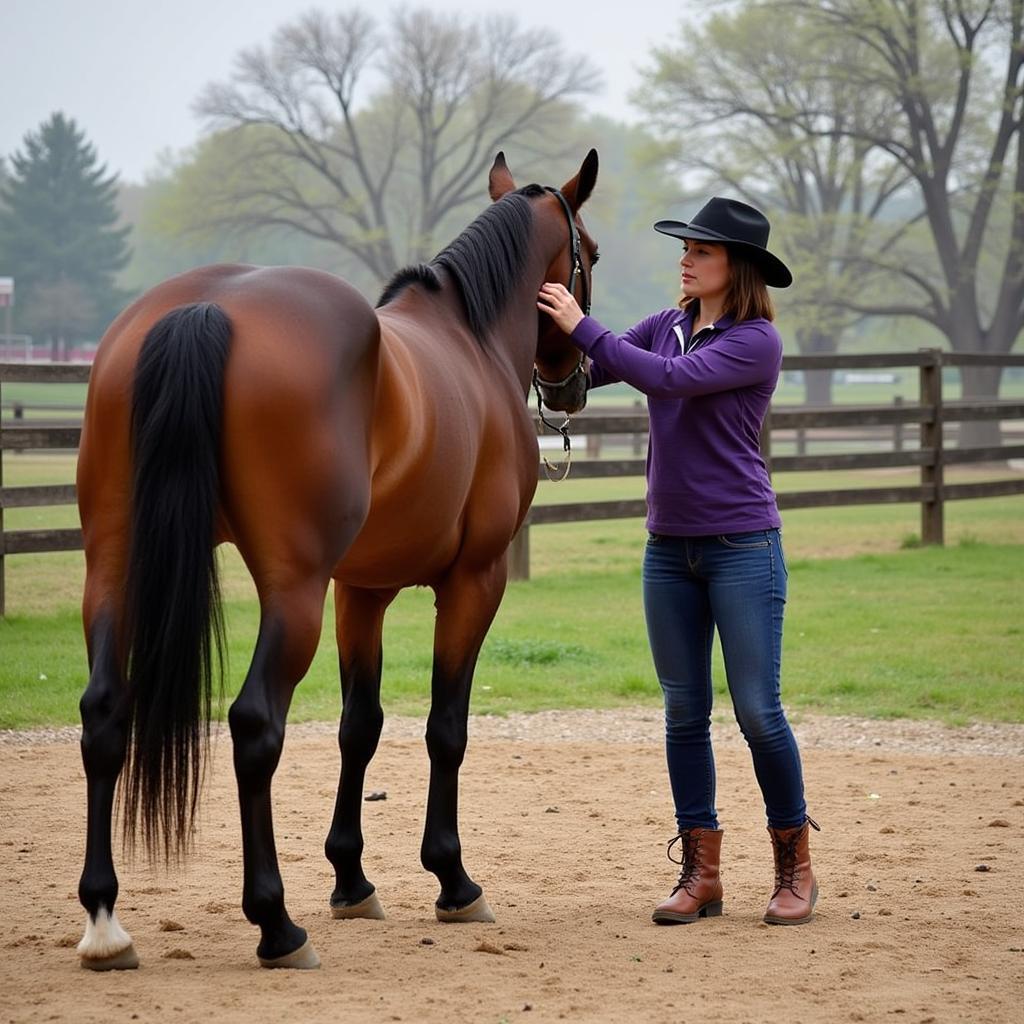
point(707, 397)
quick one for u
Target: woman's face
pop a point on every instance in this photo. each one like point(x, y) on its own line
point(705, 267)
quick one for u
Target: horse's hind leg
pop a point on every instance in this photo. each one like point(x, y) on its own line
point(359, 616)
point(290, 623)
point(105, 725)
point(466, 602)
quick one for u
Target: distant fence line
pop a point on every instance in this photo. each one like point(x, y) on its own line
point(929, 413)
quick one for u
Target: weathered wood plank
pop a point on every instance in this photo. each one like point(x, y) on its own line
point(572, 512)
point(20, 439)
point(997, 453)
point(590, 469)
point(997, 409)
point(849, 460)
point(849, 416)
point(868, 361)
point(24, 542)
point(981, 359)
point(44, 373)
point(37, 497)
point(855, 496)
point(603, 423)
point(985, 489)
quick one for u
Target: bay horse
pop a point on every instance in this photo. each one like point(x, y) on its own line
point(384, 447)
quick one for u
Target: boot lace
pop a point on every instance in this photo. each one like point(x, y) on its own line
point(786, 874)
point(689, 847)
point(785, 863)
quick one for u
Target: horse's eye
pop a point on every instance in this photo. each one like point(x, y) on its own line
point(595, 258)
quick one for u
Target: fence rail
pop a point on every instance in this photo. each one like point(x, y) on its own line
point(930, 415)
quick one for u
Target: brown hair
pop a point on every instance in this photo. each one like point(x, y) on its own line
point(747, 297)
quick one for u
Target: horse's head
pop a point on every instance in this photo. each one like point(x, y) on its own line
point(560, 370)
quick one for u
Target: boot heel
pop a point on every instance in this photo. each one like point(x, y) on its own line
point(711, 909)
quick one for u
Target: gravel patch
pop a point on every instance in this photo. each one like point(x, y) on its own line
point(644, 725)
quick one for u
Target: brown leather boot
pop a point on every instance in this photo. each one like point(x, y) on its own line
point(699, 890)
point(796, 888)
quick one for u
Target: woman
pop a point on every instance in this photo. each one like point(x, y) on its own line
point(714, 555)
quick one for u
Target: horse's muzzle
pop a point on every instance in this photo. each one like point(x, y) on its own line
point(569, 394)
point(569, 397)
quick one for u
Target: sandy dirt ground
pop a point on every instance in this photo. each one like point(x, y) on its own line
point(920, 862)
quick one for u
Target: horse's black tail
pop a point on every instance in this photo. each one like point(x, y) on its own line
point(173, 624)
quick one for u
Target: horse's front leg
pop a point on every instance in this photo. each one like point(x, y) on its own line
point(105, 723)
point(466, 603)
point(359, 619)
point(290, 624)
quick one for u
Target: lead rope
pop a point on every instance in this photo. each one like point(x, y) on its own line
point(563, 429)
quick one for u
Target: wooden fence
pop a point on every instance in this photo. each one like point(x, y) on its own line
point(929, 414)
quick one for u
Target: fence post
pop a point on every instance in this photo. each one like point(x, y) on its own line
point(930, 384)
point(897, 428)
point(519, 554)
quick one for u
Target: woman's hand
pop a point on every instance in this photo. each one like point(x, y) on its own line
point(558, 303)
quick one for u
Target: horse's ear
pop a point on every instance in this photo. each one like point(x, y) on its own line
point(578, 190)
point(500, 180)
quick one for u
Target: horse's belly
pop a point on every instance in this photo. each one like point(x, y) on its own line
point(414, 534)
point(393, 551)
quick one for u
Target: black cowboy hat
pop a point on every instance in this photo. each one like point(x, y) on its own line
point(730, 222)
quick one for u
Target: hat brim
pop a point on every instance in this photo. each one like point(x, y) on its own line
point(773, 270)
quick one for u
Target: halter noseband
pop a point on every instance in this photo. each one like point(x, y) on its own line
point(538, 382)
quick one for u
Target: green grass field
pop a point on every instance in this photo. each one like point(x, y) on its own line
point(875, 625)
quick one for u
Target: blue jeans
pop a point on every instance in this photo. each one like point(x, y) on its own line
point(737, 583)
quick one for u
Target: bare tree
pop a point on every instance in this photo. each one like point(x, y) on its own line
point(954, 70)
point(739, 103)
point(369, 140)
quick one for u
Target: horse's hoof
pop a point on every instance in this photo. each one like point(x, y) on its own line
point(368, 908)
point(478, 911)
point(302, 959)
point(126, 960)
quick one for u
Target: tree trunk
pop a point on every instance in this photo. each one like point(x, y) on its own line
point(979, 384)
point(818, 387)
point(817, 383)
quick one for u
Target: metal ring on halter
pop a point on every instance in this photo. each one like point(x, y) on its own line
point(562, 429)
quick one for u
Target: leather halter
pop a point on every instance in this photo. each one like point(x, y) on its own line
point(576, 273)
point(577, 252)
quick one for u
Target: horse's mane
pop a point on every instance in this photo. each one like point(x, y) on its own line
point(486, 260)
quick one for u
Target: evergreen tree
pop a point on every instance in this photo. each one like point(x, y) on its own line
point(58, 238)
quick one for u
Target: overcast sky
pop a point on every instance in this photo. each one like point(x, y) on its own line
point(128, 71)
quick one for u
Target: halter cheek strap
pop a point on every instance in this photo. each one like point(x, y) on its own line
point(576, 273)
point(577, 252)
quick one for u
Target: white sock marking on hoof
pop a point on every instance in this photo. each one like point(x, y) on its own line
point(104, 938)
